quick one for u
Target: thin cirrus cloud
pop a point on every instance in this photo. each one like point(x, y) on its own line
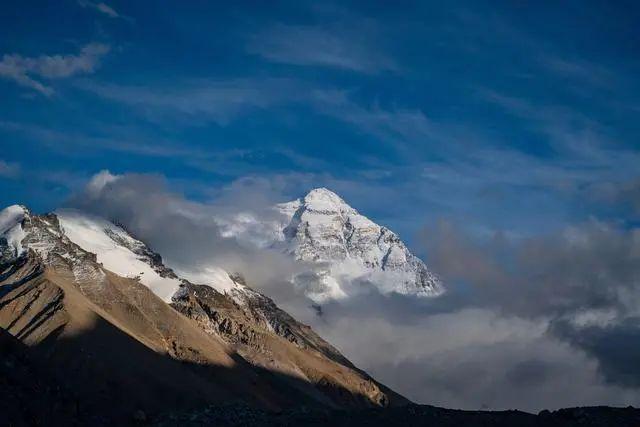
point(567, 129)
point(404, 130)
point(100, 7)
point(223, 101)
point(318, 46)
point(9, 169)
point(110, 139)
point(396, 125)
point(29, 71)
point(218, 101)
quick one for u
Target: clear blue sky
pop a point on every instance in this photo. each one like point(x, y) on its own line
point(518, 116)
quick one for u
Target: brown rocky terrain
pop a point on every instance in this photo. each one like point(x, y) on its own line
point(121, 349)
point(268, 337)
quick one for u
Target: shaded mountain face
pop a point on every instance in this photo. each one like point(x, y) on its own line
point(343, 249)
point(121, 329)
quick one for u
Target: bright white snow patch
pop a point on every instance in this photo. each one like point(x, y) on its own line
point(212, 276)
point(218, 279)
point(91, 234)
point(11, 226)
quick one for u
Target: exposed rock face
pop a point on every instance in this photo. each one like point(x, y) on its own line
point(268, 337)
point(114, 338)
point(344, 247)
point(248, 310)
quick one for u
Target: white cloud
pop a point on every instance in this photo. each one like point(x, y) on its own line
point(100, 7)
point(387, 124)
point(328, 47)
point(218, 101)
point(109, 138)
point(23, 70)
point(99, 181)
point(592, 73)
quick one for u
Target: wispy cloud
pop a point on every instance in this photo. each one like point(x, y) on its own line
point(585, 71)
point(219, 101)
point(222, 101)
point(9, 169)
point(322, 46)
point(569, 130)
point(100, 7)
point(395, 124)
point(24, 70)
point(113, 140)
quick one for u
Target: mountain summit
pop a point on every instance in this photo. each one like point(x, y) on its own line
point(346, 252)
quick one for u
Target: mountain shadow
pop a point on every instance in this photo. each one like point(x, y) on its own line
point(43, 387)
point(103, 376)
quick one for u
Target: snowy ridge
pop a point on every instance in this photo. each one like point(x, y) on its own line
point(71, 235)
point(345, 248)
point(116, 250)
point(216, 278)
point(126, 256)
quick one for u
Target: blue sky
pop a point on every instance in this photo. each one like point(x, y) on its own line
point(512, 116)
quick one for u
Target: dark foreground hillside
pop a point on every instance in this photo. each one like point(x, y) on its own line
point(29, 396)
point(411, 415)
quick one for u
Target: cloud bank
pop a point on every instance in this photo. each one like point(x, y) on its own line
point(530, 323)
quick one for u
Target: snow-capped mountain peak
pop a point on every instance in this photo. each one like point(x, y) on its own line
point(324, 199)
point(346, 250)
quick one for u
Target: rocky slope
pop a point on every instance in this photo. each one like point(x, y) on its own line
point(124, 331)
point(344, 249)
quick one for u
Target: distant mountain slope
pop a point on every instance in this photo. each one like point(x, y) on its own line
point(345, 248)
point(93, 301)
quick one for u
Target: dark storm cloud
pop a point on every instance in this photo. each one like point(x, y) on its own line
point(616, 346)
